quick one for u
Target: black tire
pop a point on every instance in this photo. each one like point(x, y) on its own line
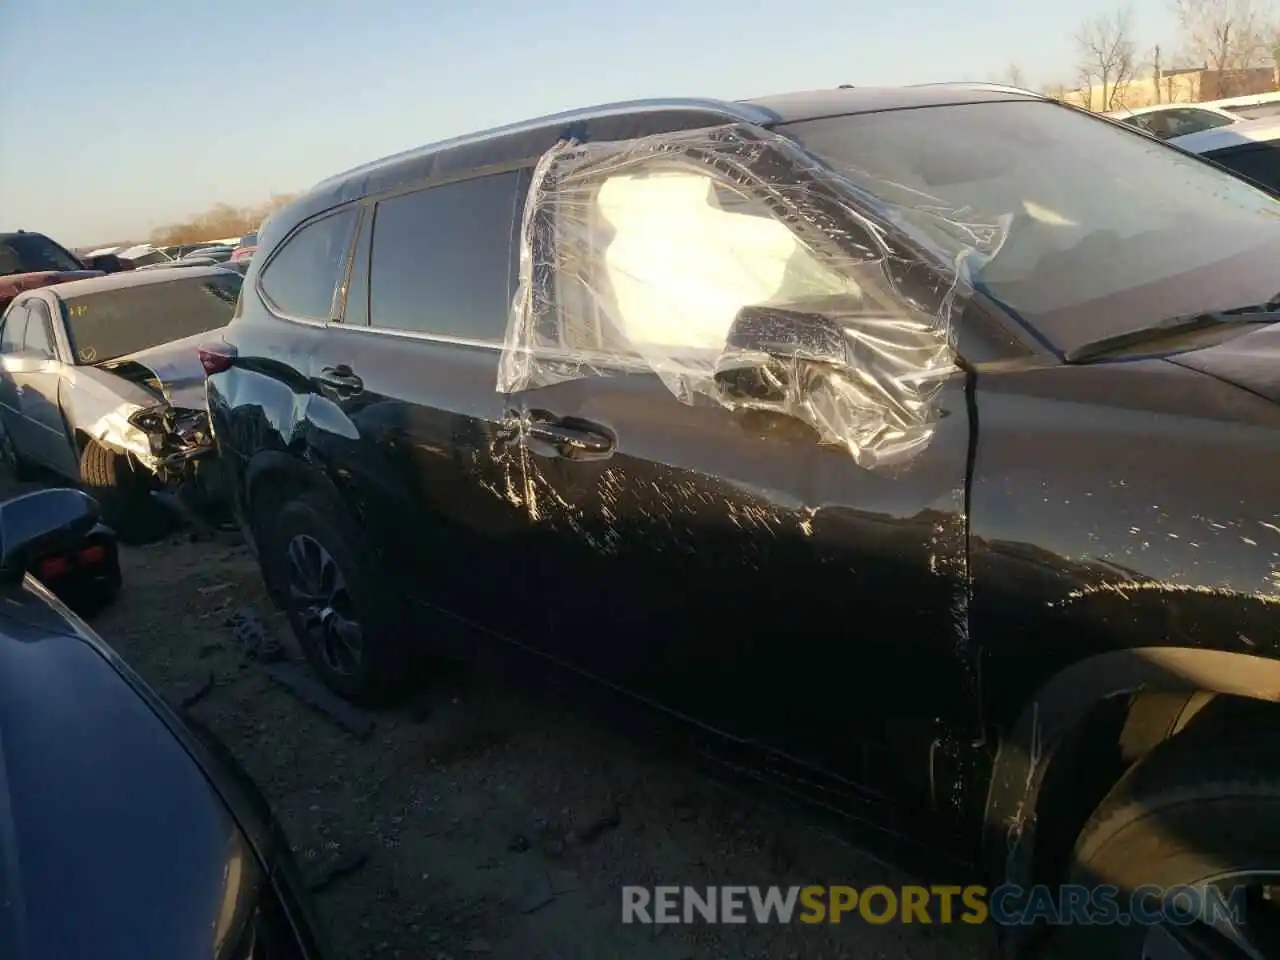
point(123, 494)
point(1181, 817)
point(88, 602)
point(387, 668)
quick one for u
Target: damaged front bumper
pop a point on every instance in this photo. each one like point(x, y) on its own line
point(176, 436)
point(180, 453)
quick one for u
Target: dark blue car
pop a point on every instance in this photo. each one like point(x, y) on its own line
point(125, 831)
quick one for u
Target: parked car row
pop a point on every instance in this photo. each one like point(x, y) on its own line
point(221, 252)
point(139, 254)
point(183, 254)
point(1169, 120)
point(29, 260)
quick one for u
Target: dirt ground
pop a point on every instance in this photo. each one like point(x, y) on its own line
point(476, 822)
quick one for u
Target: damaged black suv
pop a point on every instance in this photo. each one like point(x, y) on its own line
point(918, 446)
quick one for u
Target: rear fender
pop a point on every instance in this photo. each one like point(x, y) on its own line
point(272, 477)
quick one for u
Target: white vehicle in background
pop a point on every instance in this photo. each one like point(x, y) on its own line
point(1169, 120)
point(140, 254)
point(1250, 149)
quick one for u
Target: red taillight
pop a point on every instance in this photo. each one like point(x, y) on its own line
point(93, 555)
point(216, 358)
point(51, 568)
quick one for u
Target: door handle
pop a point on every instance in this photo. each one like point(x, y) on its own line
point(573, 440)
point(341, 377)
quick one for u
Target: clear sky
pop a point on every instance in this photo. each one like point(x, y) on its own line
point(116, 117)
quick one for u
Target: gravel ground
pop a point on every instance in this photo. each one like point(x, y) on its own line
point(475, 821)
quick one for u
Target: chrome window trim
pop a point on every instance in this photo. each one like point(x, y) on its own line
point(726, 110)
point(596, 358)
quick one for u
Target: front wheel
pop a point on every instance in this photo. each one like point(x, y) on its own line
point(123, 493)
point(1204, 827)
point(318, 565)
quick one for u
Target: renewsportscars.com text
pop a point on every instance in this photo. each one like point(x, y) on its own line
point(1005, 905)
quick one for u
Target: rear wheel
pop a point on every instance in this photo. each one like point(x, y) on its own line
point(123, 492)
point(1207, 822)
point(318, 565)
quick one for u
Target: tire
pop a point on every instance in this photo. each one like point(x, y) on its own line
point(123, 494)
point(1182, 817)
point(88, 602)
point(349, 591)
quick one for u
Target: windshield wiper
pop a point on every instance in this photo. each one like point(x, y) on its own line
point(1268, 312)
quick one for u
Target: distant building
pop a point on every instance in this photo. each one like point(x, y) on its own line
point(1182, 85)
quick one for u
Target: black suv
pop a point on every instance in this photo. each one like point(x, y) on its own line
point(918, 446)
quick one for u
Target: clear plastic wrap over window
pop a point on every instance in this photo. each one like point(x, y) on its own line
point(740, 272)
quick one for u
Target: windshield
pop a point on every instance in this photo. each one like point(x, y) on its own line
point(33, 253)
point(113, 323)
point(1087, 230)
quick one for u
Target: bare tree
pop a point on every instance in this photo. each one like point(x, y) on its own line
point(1227, 36)
point(1107, 57)
point(1013, 76)
point(223, 220)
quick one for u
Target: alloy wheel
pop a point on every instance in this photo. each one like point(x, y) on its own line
point(1216, 936)
point(321, 601)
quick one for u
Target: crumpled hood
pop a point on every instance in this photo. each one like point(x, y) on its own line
point(14, 283)
point(1251, 361)
point(176, 366)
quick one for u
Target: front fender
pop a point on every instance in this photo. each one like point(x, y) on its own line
point(1066, 700)
point(91, 408)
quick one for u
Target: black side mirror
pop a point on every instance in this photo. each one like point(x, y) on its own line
point(46, 521)
point(108, 263)
point(766, 346)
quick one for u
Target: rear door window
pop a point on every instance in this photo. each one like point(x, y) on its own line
point(444, 259)
point(300, 279)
